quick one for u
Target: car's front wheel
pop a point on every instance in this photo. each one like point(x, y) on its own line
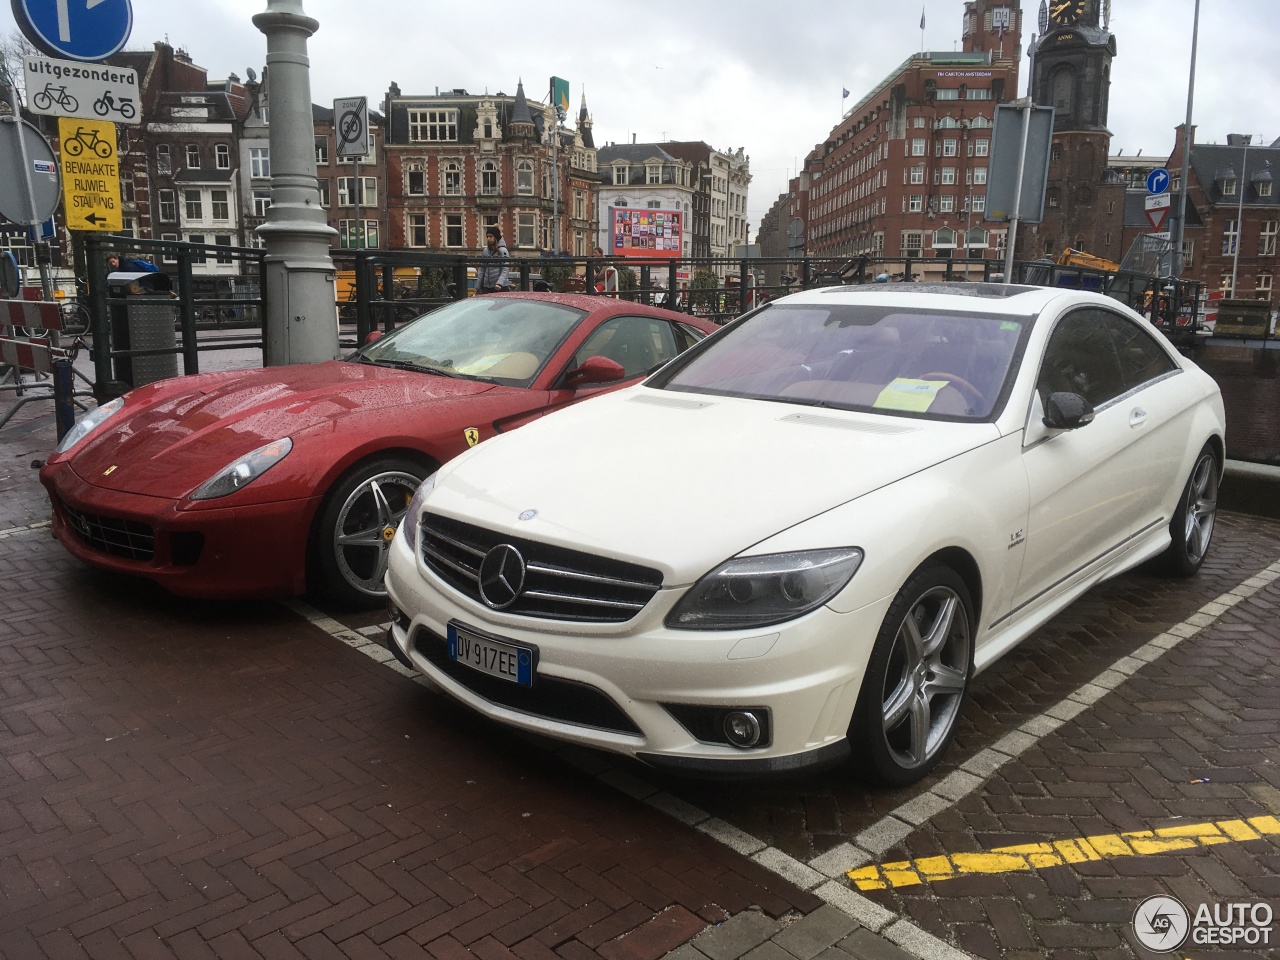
point(1191, 529)
point(916, 679)
point(351, 540)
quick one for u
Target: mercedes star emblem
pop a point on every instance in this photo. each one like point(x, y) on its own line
point(501, 576)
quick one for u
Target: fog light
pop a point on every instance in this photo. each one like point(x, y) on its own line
point(742, 728)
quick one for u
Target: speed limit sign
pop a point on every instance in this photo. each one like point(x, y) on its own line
point(351, 122)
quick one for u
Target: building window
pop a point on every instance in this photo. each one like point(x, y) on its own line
point(488, 178)
point(417, 229)
point(1267, 239)
point(524, 177)
point(221, 206)
point(1229, 187)
point(526, 225)
point(368, 192)
point(917, 147)
point(197, 256)
point(946, 203)
point(1188, 253)
point(1263, 288)
point(260, 162)
point(452, 178)
point(912, 243)
point(322, 150)
point(977, 204)
point(918, 122)
point(948, 175)
point(917, 173)
point(1053, 200)
point(949, 147)
point(164, 163)
point(222, 156)
point(193, 156)
point(915, 203)
point(948, 93)
point(1264, 188)
point(979, 174)
point(168, 206)
point(1230, 235)
point(1175, 185)
point(262, 200)
point(654, 204)
point(453, 229)
point(194, 208)
point(416, 183)
point(221, 241)
point(358, 233)
point(620, 176)
point(433, 126)
point(324, 192)
point(981, 147)
point(654, 171)
point(978, 93)
point(169, 256)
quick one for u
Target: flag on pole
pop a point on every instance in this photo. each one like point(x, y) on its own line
point(922, 17)
point(845, 94)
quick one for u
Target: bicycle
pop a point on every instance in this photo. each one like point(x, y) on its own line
point(46, 98)
point(74, 146)
point(106, 103)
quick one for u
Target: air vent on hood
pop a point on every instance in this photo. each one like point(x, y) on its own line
point(669, 402)
point(862, 426)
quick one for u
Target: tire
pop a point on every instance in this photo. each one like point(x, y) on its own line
point(916, 679)
point(1191, 529)
point(351, 537)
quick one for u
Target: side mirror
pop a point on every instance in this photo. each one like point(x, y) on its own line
point(595, 370)
point(1067, 411)
point(373, 336)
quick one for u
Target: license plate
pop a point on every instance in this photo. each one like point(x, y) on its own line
point(497, 658)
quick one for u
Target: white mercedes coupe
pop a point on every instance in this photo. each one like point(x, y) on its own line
point(796, 543)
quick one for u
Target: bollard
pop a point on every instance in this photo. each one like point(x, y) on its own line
point(63, 390)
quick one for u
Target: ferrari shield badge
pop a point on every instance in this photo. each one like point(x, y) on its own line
point(473, 435)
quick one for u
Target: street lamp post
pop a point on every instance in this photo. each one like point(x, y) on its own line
point(1241, 184)
point(298, 272)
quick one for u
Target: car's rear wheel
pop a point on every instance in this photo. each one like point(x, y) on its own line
point(916, 679)
point(351, 540)
point(1191, 529)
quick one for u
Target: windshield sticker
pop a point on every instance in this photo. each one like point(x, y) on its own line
point(912, 396)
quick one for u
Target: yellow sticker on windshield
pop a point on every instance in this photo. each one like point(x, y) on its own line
point(913, 396)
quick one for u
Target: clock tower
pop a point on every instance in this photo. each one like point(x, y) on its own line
point(1072, 74)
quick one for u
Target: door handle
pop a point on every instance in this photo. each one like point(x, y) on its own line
point(1137, 417)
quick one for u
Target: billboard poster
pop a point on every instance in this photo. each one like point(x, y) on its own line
point(646, 233)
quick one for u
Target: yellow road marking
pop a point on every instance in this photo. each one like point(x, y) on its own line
point(1037, 856)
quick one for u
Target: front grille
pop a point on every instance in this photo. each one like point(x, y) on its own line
point(118, 537)
point(549, 697)
point(559, 584)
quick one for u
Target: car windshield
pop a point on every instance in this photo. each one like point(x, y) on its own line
point(877, 359)
point(503, 339)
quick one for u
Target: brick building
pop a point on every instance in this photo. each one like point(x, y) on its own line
point(1084, 204)
point(336, 177)
point(904, 172)
point(456, 163)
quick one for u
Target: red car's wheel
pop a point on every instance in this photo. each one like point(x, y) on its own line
point(353, 532)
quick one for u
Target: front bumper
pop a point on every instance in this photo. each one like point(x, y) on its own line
point(213, 552)
point(806, 674)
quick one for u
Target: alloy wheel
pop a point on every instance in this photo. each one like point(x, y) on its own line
point(366, 525)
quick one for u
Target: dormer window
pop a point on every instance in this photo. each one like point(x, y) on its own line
point(1229, 187)
point(1264, 188)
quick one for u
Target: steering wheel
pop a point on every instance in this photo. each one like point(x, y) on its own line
point(971, 393)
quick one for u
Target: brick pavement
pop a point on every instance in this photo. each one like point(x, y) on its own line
point(297, 799)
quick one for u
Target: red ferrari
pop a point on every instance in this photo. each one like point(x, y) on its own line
point(292, 479)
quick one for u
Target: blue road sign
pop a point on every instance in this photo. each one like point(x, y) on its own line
point(76, 29)
point(1158, 180)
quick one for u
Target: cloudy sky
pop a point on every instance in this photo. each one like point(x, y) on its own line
point(763, 76)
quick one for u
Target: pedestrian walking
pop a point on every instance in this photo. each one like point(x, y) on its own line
point(494, 271)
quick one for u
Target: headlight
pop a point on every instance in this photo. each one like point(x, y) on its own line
point(757, 591)
point(242, 472)
point(89, 423)
point(409, 525)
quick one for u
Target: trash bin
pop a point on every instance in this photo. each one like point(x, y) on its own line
point(146, 320)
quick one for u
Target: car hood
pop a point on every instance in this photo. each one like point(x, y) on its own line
point(681, 482)
point(174, 435)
